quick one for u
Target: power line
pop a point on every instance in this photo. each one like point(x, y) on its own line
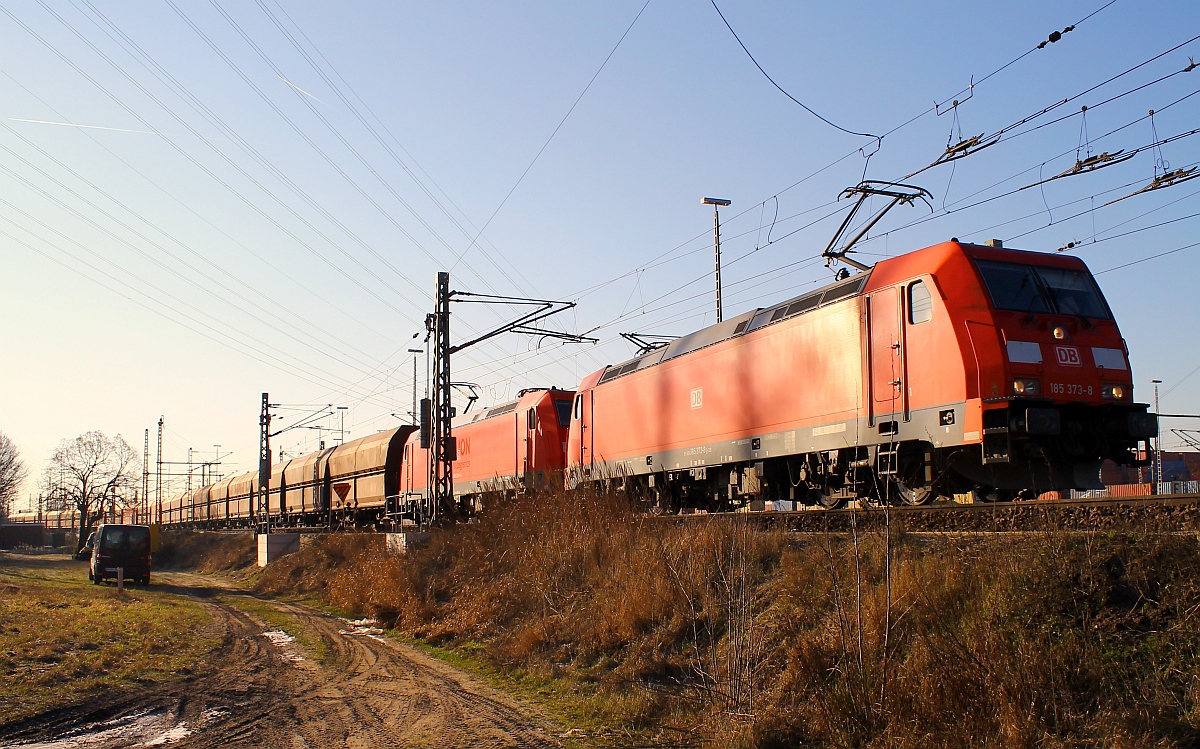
point(558, 127)
point(224, 183)
point(767, 75)
point(274, 267)
point(183, 277)
point(382, 141)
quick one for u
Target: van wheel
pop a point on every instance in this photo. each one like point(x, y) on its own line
point(97, 579)
point(90, 575)
point(146, 580)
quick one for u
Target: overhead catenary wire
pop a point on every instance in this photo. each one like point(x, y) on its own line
point(902, 125)
point(162, 75)
point(783, 91)
point(373, 292)
point(245, 145)
point(333, 86)
point(341, 139)
point(558, 127)
point(955, 206)
point(191, 277)
point(465, 230)
point(186, 206)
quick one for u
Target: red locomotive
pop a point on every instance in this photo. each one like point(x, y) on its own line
point(956, 368)
point(515, 446)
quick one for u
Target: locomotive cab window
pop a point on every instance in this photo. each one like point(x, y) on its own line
point(1043, 289)
point(920, 303)
point(563, 408)
point(531, 419)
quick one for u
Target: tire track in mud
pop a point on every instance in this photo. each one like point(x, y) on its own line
point(416, 699)
point(369, 692)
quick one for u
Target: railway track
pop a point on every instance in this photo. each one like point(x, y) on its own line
point(1162, 513)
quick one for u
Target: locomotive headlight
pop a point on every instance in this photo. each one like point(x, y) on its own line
point(1115, 392)
point(1027, 386)
point(1060, 333)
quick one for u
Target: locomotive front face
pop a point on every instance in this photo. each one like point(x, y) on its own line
point(1060, 400)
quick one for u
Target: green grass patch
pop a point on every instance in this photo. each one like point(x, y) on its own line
point(64, 641)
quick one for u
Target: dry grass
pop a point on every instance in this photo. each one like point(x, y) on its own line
point(64, 641)
point(718, 632)
point(208, 551)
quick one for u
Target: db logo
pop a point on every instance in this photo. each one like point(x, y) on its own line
point(697, 398)
point(1068, 356)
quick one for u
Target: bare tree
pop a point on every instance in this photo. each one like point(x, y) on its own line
point(12, 473)
point(87, 471)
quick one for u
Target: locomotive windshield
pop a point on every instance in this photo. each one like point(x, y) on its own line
point(1032, 288)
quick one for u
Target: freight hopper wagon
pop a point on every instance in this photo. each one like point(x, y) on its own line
point(956, 368)
point(511, 448)
point(355, 483)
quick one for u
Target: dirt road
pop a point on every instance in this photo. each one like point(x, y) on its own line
point(261, 688)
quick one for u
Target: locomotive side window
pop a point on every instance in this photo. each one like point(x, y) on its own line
point(531, 419)
point(920, 303)
point(579, 406)
point(564, 412)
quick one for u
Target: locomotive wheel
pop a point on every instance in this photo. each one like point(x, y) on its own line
point(990, 494)
point(828, 498)
point(914, 495)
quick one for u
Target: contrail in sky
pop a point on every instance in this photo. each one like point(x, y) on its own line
point(285, 80)
point(88, 127)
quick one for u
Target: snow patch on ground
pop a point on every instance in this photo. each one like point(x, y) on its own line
point(285, 642)
point(363, 627)
point(138, 729)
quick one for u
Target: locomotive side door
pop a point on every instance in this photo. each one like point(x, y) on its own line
point(583, 406)
point(886, 355)
point(527, 459)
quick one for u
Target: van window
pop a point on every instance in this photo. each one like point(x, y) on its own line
point(920, 303)
point(125, 538)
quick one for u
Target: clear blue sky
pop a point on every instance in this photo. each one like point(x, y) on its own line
point(252, 210)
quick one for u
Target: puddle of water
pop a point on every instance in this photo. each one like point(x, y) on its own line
point(138, 729)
